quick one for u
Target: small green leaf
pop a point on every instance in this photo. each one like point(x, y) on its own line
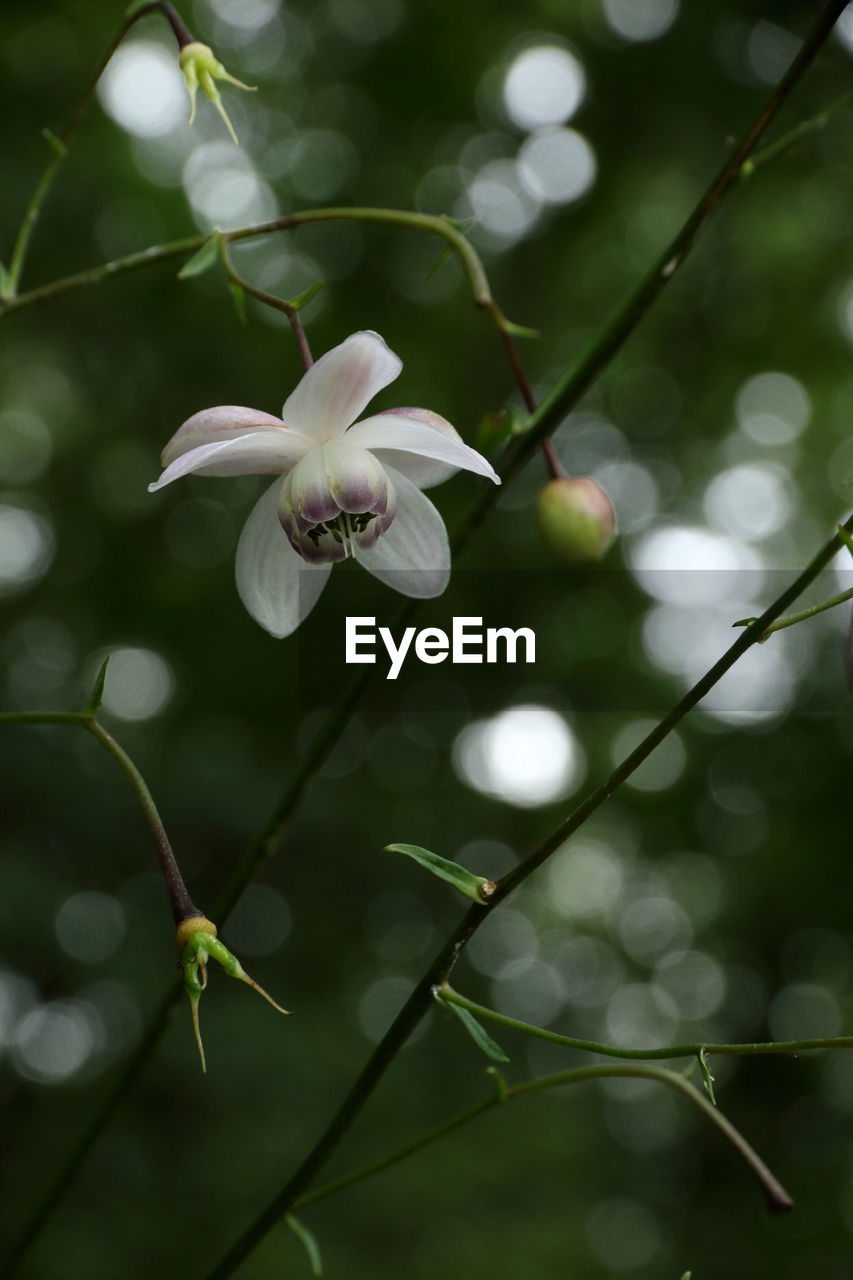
point(519, 330)
point(302, 299)
point(309, 1241)
point(4, 281)
point(96, 697)
point(706, 1076)
point(846, 538)
point(238, 297)
point(459, 224)
point(205, 258)
point(445, 252)
point(744, 622)
point(477, 888)
point(688, 1275)
point(481, 1039)
point(56, 144)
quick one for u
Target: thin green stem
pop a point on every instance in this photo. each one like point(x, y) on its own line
point(422, 997)
point(788, 140)
point(401, 1153)
point(62, 143)
point(269, 300)
point(777, 1197)
point(567, 392)
point(440, 226)
point(577, 379)
point(794, 618)
point(778, 1200)
point(182, 905)
point(692, 1050)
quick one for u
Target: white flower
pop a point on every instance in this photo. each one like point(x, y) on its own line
point(340, 490)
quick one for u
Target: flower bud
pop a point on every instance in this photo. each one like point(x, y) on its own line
point(201, 66)
point(576, 519)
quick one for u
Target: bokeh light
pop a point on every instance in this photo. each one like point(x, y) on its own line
point(526, 755)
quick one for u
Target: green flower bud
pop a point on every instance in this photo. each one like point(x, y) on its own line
point(198, 943)
point(201, 67)
point(576, 519)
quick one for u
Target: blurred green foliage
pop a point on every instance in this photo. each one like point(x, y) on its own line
point(729, 864)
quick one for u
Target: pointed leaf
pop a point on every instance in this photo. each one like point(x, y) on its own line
point(238, 297)
point(706, 1076)
point(438, 262)
point(309, 1241)
point(302, 299)
point(459, 224)
point(477, 888)
point(4, 281)
point(56, 144)
point(205, 258)
point(478, 1034)
point(846, 538)
point(96, 697)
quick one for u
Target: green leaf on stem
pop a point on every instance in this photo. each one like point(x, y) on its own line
point(56, 144)
point(309, 1241)
point(481, 1039)
point(688, 1275)
point(477, 888)
point(459, 224)
point(207, 256)
point(302, 299)
point(446, 251)
point(4, 282)
point(707, 1078)
point(238, 297)
point(96, 697)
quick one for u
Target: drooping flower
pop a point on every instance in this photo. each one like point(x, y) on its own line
point(343, 488)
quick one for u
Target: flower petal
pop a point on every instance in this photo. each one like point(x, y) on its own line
point(275, 584)
point(258, 453)
point(413, 557)
point(424, 472)
point(334, 391)
point(211, 426)
point(406, 435)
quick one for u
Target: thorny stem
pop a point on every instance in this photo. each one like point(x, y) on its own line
point(778, 1200)
point(569, 389)
point(62, 143)
point(278, 304)
point(693, 1050)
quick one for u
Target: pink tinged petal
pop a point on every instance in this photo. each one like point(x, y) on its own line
point(307, 494)
point(278, 588)
point(357, 480)
point(402, 434)
point(212, 426)
point(336, 389)
point(413, 556)
point(379, 524)
point(424, 472)
point(258, 453)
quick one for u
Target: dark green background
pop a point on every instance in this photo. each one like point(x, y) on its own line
point(546, 1186)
